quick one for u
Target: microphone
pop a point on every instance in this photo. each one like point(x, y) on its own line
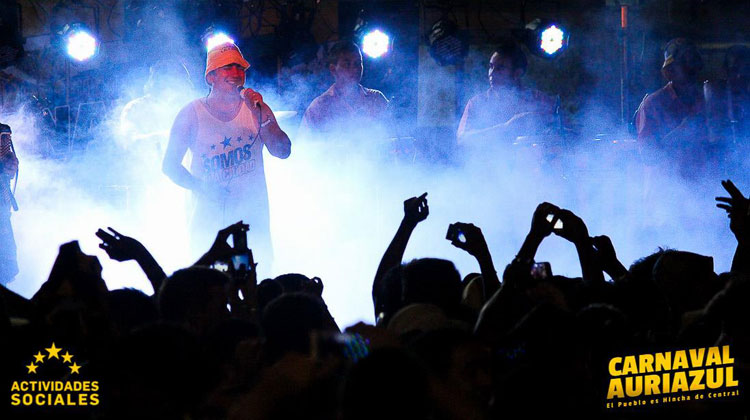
point(242, 90)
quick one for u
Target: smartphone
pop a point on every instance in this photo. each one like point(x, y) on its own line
point(558, 224)
point(239, 240)
point(541, 271)
point(455, 233)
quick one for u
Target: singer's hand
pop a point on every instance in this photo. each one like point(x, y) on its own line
point(252, 98)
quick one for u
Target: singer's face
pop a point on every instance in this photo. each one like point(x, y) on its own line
point(227, 78)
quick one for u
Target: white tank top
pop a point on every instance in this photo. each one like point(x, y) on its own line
point(229, 155)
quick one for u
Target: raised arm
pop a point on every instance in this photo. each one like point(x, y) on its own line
point(415, 211)
point(542, 223)
point(476, 246)
point(575, 231)
point(604, 252)
point(738, 211)
point(124, 248)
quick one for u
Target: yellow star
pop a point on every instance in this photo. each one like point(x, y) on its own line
point(53, 352)
point(39, 357)
point(32, 367)
point(67, 357)
point(74, 368)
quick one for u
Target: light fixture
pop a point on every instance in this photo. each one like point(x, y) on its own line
point(551, 39)
point(376, 43)
point(374, 39)
point(216, 39)
point(80, 44)
point(447, 45)
point(544, 38)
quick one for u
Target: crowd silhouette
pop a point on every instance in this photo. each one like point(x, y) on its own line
point(523, 344)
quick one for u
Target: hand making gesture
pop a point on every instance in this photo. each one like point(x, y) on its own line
point(416, 209)
point(738, 211)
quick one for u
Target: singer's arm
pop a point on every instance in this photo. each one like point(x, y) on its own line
point(273, 136)
point(181, 135)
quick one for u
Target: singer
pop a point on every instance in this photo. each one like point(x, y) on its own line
point(8, 170)
point(225, 133)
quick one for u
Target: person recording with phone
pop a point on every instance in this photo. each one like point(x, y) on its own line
point(468, 237)
point(8, 171)
point(225, 133)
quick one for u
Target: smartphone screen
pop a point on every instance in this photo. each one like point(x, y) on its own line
point(240, 260)
point(455, 234)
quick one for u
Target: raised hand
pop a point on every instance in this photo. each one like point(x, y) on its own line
point(124, 248)
point(416, 209)
point(220, 250)
point(603, 249)
point(314, 286)
point(245, 282)
point(738, 210)
point(573, 228)
point(474, 242)
point(120, 247)
point(541, 227)
point(604, 252)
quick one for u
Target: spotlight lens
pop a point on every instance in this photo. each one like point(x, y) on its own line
point(217, 39)
point(375, 44)
point(552, 40)
point(81, 45)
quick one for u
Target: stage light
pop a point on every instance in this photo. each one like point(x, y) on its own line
point(376, 43)
point(551, 39)
point(216, 39)
point(80, 44)
point(447, 45)
point(544, 38)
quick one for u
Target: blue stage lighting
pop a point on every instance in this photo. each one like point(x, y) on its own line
point(80, 44)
